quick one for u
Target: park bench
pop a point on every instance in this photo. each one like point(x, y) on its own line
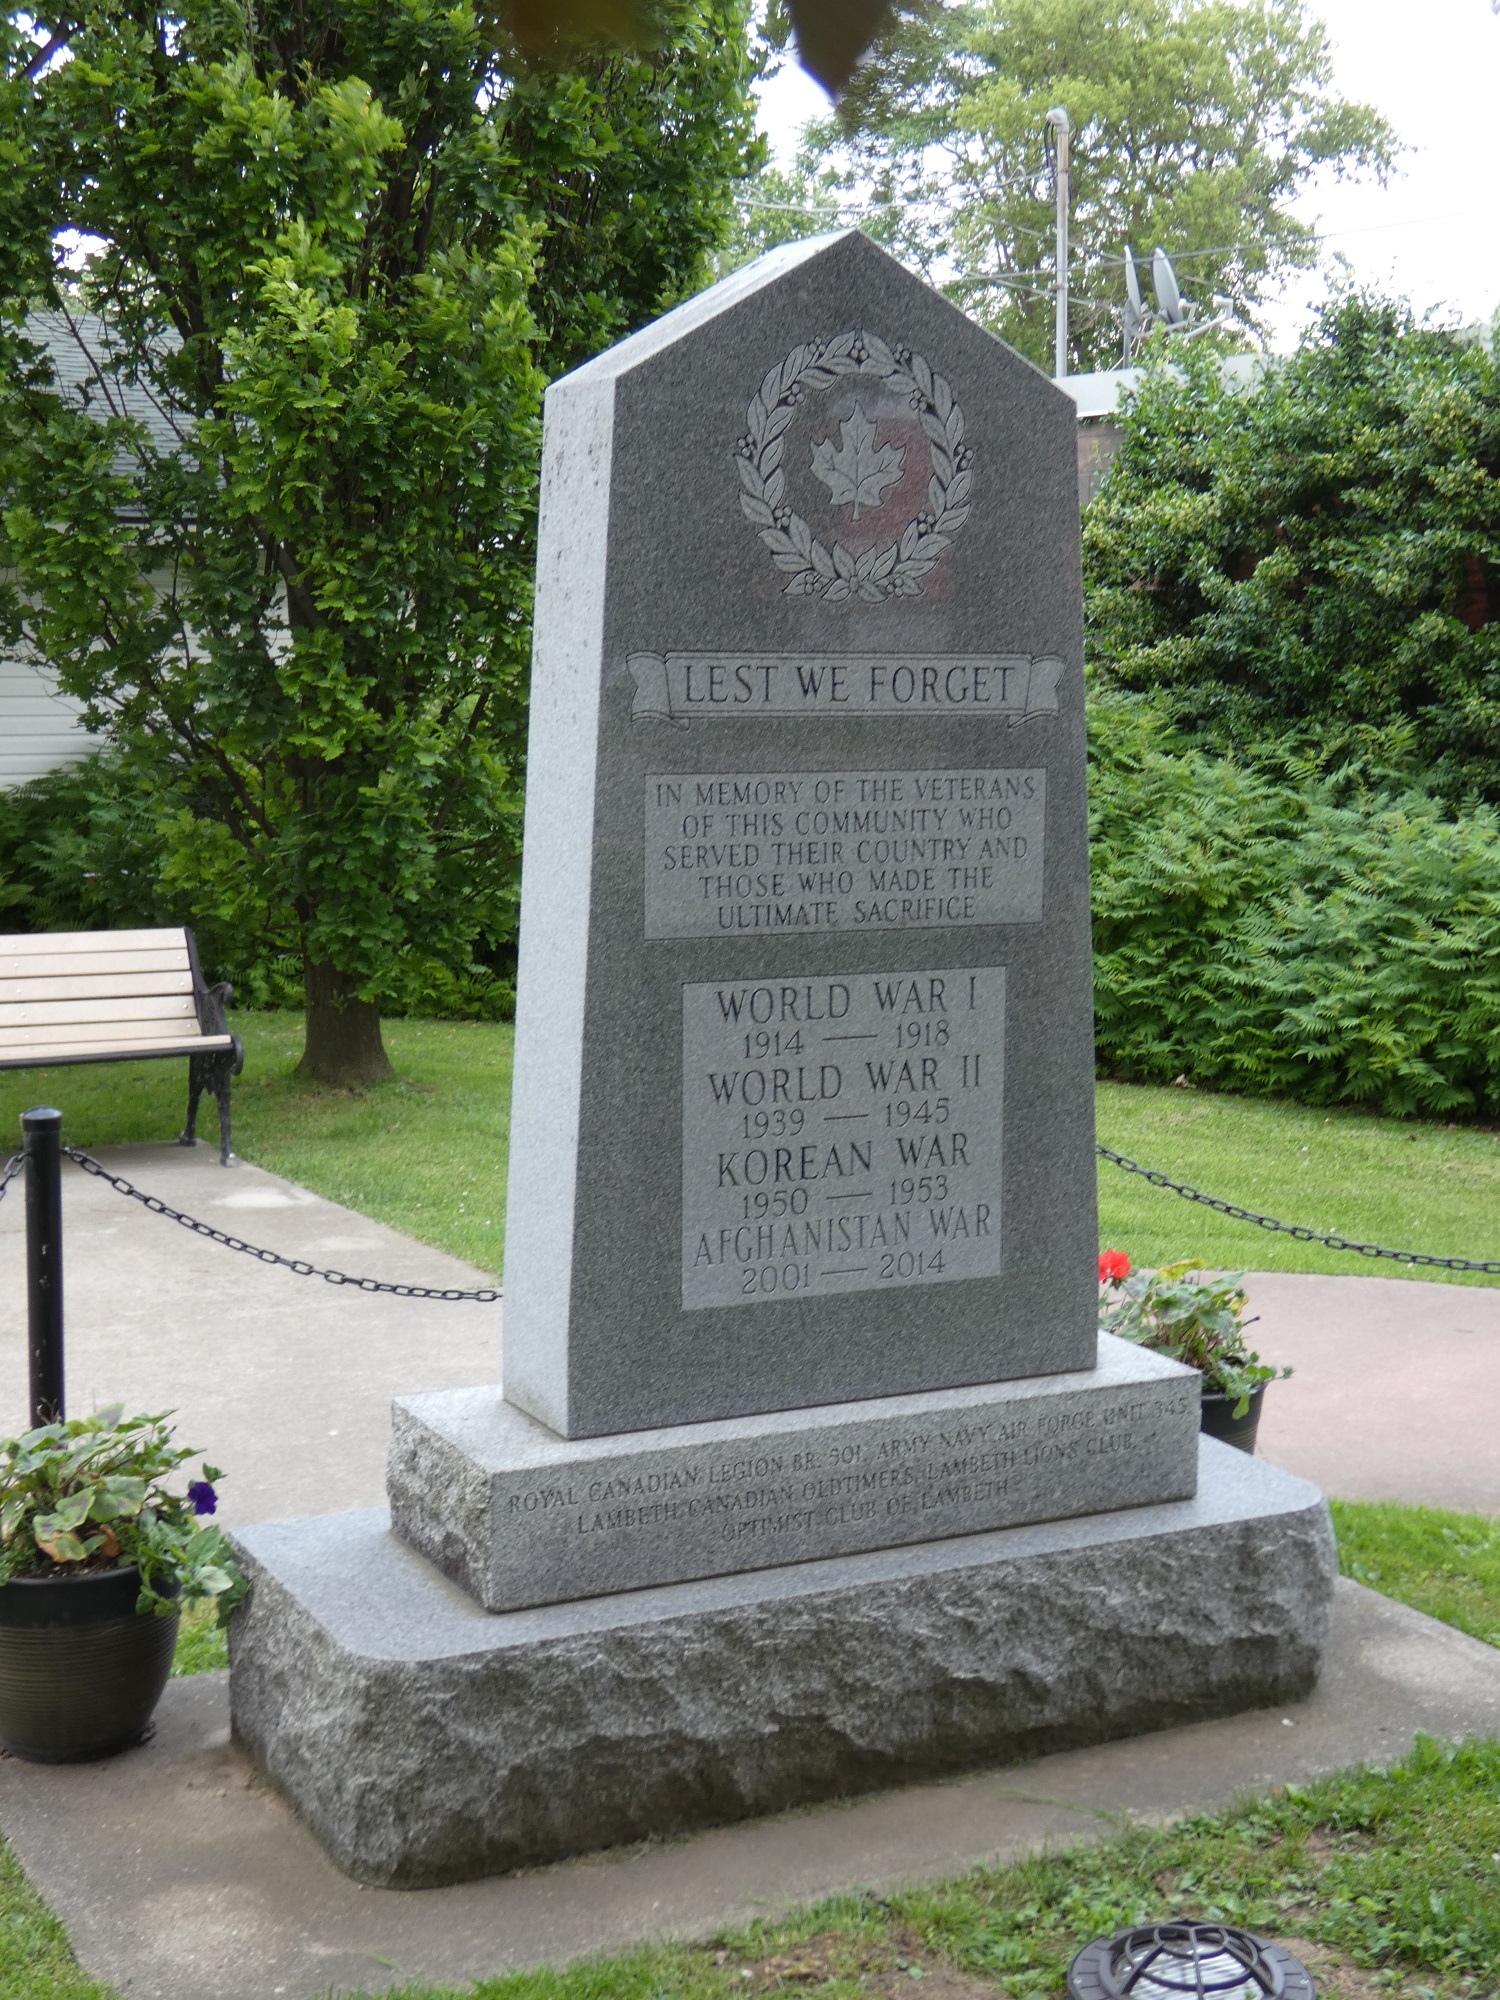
point(118, 996)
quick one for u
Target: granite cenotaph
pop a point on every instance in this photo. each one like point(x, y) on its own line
point(811, 1470)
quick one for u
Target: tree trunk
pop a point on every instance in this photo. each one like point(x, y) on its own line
point(343, 1044)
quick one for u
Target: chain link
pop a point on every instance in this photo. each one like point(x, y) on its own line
point(1489, 1267)
point(303, 1270)
point(1296, 1229)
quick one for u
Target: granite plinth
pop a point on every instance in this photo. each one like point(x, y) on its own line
point(425, 1740)
point(520, 1516)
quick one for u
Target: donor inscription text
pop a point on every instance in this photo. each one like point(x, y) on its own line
point(840, 1134)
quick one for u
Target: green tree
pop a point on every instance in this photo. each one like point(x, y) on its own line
point(779, 205)
point(1315, 563)
point(1195, 123)
point(312, 261)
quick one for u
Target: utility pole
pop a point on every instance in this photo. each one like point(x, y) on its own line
point(1059, 127)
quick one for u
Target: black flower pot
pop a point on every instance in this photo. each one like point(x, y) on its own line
point(81, 1670)
point(1219, 1421)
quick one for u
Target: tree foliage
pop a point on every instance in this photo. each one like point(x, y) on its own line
point(314, 260)
point(1195, 123)
point(1316, 562)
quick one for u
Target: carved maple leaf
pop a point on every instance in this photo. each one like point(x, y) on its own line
point(857, 473)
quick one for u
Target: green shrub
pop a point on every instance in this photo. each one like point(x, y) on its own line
point(81, 849)
point(1296, 937)
point(1318, 557)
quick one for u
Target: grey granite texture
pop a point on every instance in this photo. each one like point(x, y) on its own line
point(652, 585)
point(519, 1516)
point(427, 1741)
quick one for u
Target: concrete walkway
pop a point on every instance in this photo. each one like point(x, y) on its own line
point(285, 1382)
point(1396, 1394)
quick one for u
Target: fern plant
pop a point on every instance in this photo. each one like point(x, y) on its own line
point(1299, 937)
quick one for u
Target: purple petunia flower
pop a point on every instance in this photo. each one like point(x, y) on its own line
point(203, 1496)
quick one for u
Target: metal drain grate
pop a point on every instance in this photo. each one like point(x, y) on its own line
point(1187, 1961)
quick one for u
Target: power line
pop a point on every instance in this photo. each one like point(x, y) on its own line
point(1086, 256)
point(1098, 259)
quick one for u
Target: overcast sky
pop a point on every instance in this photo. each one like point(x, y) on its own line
point(1433, 234)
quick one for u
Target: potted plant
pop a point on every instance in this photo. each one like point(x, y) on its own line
point(1184, 1311)
point(97, 1559)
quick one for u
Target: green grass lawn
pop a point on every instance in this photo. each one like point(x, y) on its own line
point(442, 1127)
point(1410, 1186)
point(1447, 1565)
point(425, 1152)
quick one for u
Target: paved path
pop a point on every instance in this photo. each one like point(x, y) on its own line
point(285, 1382)
point(1396, 1394)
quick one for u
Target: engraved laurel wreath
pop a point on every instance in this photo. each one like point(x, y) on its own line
point(835, 574)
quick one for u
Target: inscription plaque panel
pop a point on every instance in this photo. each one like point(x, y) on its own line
point(725, 687)
point(840, 1133)
point(729, 853)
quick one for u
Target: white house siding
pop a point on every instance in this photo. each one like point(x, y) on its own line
point(39, 728)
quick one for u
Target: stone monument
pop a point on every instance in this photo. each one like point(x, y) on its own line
point(811, 1470)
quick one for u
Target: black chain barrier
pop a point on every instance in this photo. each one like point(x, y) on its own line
point(1296, 1229)
point(1489, 1267)
point(303, 1270)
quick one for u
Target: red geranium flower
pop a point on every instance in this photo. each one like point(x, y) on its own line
point(1113, 1266)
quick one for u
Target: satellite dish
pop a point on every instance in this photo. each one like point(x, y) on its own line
point(1164, 284)
point(1135, 307)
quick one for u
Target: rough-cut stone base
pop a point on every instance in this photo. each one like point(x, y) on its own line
point(426, 1741)
point(520, 1516)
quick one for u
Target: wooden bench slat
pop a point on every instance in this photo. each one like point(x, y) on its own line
point(87, 963)
point(14, 944)
point(54, 1054)
point(147, 1007)
point(139, 1032)
point(154, 1007)
point(70, 997)
point(96, 986)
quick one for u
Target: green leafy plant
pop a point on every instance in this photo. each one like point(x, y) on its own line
point(269, 444)
point(90, 1495)
point(1315, 559)
point(1327, 937)
point(1193, 1318)
point(82, 848)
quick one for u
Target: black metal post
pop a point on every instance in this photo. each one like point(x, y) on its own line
point(41, 1145)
